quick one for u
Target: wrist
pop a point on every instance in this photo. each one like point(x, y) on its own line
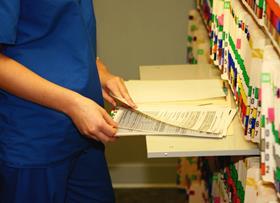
point(72, 103)
point(103, 72)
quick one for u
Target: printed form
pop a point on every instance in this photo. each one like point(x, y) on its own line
point(189, 121)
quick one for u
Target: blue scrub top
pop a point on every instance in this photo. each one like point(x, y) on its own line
point(56, 40)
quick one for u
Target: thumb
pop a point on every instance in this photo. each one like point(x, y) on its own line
point(109, 120)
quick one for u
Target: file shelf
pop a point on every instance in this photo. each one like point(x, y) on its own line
point(172, 146)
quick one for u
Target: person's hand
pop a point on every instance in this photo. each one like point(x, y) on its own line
point(92, 120)
point(115, 85)
point(112, 84)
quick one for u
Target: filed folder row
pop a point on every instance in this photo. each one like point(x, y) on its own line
point(251, 66)
point(267, 15)
point(224, 179)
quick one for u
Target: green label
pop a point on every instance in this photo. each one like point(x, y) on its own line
point(260, 3)
point(266, 77)
point(220, 28)
point(200, 51)
point(224, 36)
point(193, 28)
point(256, 93)
point(277, 174)
point(211, 43)
point(263, 121)
point(275, 133)
point(250, 91)
point(226, 5)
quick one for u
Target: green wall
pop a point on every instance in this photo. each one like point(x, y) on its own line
point(141, 32)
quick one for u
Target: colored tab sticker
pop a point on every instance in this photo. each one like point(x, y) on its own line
point(276, 136)
point(221, 20)
point(200, 51)
point(193, 28)
point(271, 116)
point(260, 94)
point(220, 28)
point(266, 77)
point(277, 174)
point(227, 5)
point(262, 168)
point(261, 3)
point(254, 113)
point(256, 93)
point(243, 26)
point(263, 121)
point(275, 133)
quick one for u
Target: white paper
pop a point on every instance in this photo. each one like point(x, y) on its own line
point(189, 121)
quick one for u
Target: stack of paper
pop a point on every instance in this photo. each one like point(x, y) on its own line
point(179, 107)
point(191, 120)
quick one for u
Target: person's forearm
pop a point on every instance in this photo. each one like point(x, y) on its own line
point(103, 71)
point(20, 81)
point(112, 85)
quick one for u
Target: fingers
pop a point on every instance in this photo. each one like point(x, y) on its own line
point(103, 132)
point(106, 129)
point(100, 136)
point(124, 93)
point(93, 121)
point(108, 98)
point(109, 120)
point(118, 88)
point(114, 84)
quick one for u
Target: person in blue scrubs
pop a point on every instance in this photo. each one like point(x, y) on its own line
point(52, 123)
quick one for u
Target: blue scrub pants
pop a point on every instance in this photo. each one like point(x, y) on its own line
point(83, 178)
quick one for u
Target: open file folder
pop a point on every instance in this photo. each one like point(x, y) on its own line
point(187, 112)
